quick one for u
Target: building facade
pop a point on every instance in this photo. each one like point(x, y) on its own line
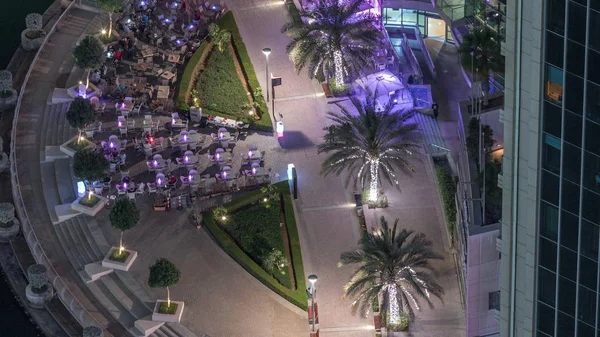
point(551, 169)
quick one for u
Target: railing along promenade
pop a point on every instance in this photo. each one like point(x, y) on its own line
point(64, 294)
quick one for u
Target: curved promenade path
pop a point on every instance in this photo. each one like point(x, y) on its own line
point(51, 70)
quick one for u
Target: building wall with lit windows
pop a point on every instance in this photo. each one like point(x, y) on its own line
point(551, 216)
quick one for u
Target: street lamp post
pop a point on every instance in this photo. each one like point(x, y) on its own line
point(312, 292)
point(267, 51)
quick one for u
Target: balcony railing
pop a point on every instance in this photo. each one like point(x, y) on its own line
point(455, 12)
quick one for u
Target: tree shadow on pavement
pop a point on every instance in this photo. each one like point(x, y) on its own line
point(294, 140)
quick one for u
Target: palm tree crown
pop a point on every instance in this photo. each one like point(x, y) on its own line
point(395, 268)
point(485, 46)
point(369, 142)
point(333, 40)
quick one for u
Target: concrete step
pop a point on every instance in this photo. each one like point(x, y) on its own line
point(78, 251)
point(86, 251)
point(84, 226)
point(64, 212)
point(431, 132)
point(147, 326)
point(52, 153)
point(134, 287)
point(136, 308)
point(66, 242)
point(67, 186)
point(178, 330)
point(97, 235)
point(111, 304)
point(50, 188)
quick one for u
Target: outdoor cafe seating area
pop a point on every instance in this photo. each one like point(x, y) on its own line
point(167, 154)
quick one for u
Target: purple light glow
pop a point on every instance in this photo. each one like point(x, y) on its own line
point(253, 170)
point(120, 124)
point(186, 159)
point(111, 145)
point(220, 135)
point(190, 178)
point(124, 186)
point(218, 156)
point(249, 153)
point(190, 27)
point(158, 181)
point(155, 163)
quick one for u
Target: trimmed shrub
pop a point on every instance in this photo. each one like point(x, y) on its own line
point(5, 80)
point(7, 212)
point(33, 21)
point(38, 277)
point(447, 187)
point(80, 113)
point(90, 165)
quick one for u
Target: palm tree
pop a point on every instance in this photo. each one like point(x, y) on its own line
point(369, 142)
point(333, 40)
point(484, 43)
point(394, 268)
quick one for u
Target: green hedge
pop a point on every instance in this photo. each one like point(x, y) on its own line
point(219, 87)
point(228, 23)
point(447, 187)
point(297, 297)
point(186, 84)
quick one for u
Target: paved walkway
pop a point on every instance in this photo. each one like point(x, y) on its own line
point(328, 225)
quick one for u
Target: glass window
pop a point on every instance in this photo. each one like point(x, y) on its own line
point(569, 230)
point(591, 172)
point(555, 16)
point(551, 154)
point(554, 83)
point(587, 305)
point(577, 23)
point(566, 325)
point(593, 63)
point(589, 240)
point(573, 131)
point(550, 187)
point(566, 296)
point(554, 47)
point(588, 273)
point(592, 109)
point(591, 205)
point(595, 5)
point(594, 39)
point(592, 137)
point(570, 196)
point(568, 263)
point(574, 94)
point(584, 330)
point(546, 286)
point(548, 220)
point(572, 163)
point(545, 319)
point(575, 58)
point(552, 119)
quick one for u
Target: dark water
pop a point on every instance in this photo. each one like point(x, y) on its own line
point(13, 321)
point(12, 22)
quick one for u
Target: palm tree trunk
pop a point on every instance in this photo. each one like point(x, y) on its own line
point(339, 67)
point(109, 24)
point(87, 79)
point(168, 298)
point(374, 167)
point(394, 308)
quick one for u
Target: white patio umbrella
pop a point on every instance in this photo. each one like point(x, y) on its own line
point(380, 83)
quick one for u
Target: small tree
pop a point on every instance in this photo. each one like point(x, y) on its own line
point(164, 274)
point(123, 216)
point(38, 277)
point(110, 7)
point(220, 37)
point(270, 194)
point(89, 54)
point(81, 113)
point(90, 165)
point(275, 262)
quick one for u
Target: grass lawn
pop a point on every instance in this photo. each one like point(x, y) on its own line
point(219, 87)
point(256, 230)
point(228, 23)
point(170, 310)
point(89, 202)
point(115, 256)
point(252, 229)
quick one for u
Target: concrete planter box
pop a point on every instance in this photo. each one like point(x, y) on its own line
point(66, 149)
point(89, 210)
point(91, 91)
point(38, 300)
point(32, 44)
point(10, 232)
point(8, 103)
point(108, 263)
point(174, 318)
